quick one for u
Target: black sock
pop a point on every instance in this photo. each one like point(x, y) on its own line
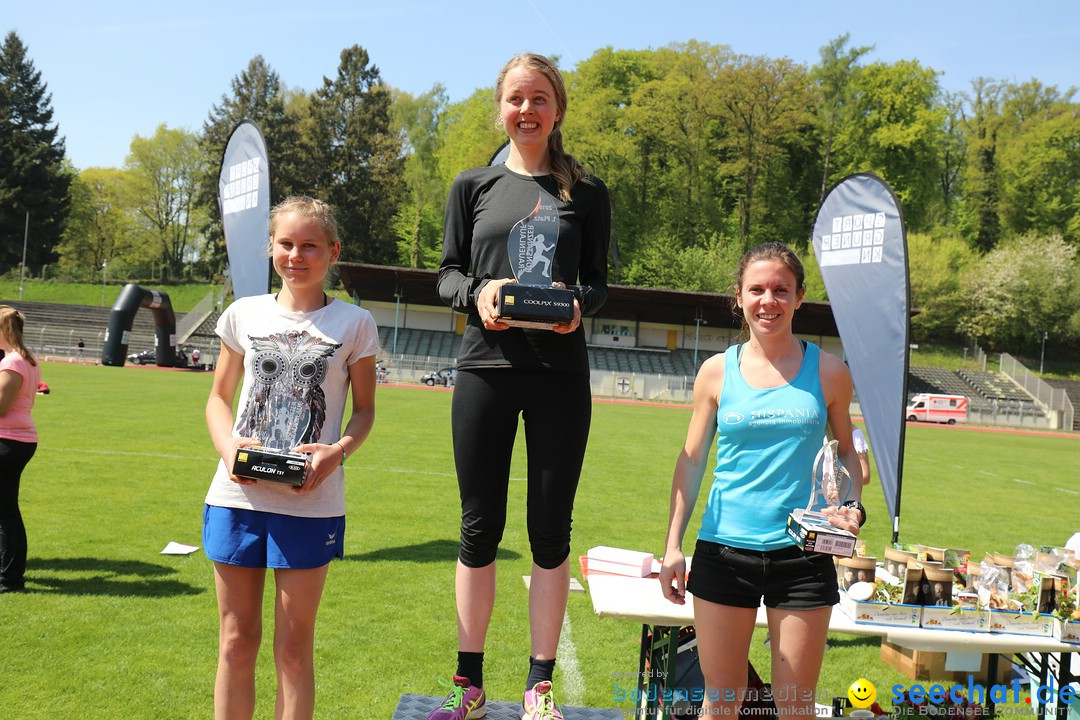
point(539, 670)
point(471, 665)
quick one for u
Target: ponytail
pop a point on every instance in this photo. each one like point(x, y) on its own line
point(11, 328)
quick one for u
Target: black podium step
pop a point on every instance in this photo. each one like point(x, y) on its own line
point(416, 707)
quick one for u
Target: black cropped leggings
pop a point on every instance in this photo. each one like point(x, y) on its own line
point(556, 408)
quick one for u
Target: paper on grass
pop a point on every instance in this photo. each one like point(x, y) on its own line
point(575, 586)
point(175, 548)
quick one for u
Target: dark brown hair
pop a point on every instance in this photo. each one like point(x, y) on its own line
point(776, 252)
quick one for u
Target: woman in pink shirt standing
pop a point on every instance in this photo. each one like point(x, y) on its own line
point(19, 378)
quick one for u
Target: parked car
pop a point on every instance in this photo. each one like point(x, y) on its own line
point(445, 376)
point(144, 358)
point(149, 357)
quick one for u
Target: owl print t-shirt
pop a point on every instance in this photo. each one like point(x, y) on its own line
point(296, 384)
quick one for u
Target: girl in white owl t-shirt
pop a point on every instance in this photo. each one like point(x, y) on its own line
point(297, 353)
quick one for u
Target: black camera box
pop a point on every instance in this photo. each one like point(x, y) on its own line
point(535, 306)
point(259, 463)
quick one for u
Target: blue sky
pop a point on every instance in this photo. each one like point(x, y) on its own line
point(119, 69)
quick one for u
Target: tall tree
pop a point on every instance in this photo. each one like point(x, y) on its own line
point(101, 227)
point(1040, 161)
point(674, 136)
point(979, 221)
point(600, 132)
point(954, 146)
point(257, 95)
point(418, 222)
point(165, 171)
point(896, 133)
point(360, 161)
point(765, 107)
point(833, 77)
point(33, 176)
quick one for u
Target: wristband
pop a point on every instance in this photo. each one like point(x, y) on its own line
point(858, 506)
point(343, 456)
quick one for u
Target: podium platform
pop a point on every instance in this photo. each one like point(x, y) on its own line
point(416, 707)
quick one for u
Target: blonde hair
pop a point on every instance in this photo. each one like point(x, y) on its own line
point(11, 328)
point(567, 169)
point(308, 208)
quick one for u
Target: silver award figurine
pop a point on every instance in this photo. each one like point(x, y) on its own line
point(533, 301)
point(831, 485)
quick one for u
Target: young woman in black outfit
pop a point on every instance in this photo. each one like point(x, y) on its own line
point(543, 198)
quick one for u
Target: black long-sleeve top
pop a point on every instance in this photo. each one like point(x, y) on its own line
point(486, 206)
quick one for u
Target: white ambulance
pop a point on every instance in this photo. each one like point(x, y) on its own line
point(931, 407)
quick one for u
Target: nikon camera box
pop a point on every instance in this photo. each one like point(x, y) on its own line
point(814, 534)
point(282, 466)
point(535, 306)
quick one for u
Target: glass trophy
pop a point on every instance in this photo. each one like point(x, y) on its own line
point(533, 301)
point(810, 527)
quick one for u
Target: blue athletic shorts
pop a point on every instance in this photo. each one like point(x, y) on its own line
point(254, 539)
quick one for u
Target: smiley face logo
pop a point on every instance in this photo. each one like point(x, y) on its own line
point(862, 693)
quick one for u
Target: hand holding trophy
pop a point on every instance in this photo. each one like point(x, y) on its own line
point(533, 301)
point(810, 527)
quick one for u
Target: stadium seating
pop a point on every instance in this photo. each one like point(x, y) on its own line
point(1072, 391)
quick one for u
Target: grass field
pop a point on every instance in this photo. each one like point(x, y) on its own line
point(112, 629)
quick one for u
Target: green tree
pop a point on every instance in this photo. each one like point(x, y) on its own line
point(978, 216)
point(673, 125)
point(360, 166)
point(33, 175)
point(600, 131)
point(256, 94)
point(663, 262)
point(470, 135)
point(1018, 291)
point(165, 171)
point(896, 133)
point(833, 77)
point(101, 227)
point(765, 107)
point(953, 153)
point(936, 262)
point(418, 222)
point(1040, 161)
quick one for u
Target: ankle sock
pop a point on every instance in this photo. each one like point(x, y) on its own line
point(539, 670)
point(471, 665)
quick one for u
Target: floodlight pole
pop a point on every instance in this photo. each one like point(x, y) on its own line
point(1042, 353)
point(697, 335)
point(397, 311)
point(22, 269)
point(104, 265)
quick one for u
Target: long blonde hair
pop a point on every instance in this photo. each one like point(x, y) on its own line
point(567, 169)
point(11, 328)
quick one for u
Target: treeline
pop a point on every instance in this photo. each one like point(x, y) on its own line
point(706, 153)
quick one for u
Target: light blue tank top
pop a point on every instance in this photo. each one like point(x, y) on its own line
point(766, 443)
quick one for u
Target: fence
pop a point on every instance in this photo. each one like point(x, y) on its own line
point(978, 355)
point(605, 384)
point(195, 317)
point(1054, 399)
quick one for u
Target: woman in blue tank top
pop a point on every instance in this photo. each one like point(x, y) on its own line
point(769, 402)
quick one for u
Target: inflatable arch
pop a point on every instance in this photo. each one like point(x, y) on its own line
point(122, 316)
